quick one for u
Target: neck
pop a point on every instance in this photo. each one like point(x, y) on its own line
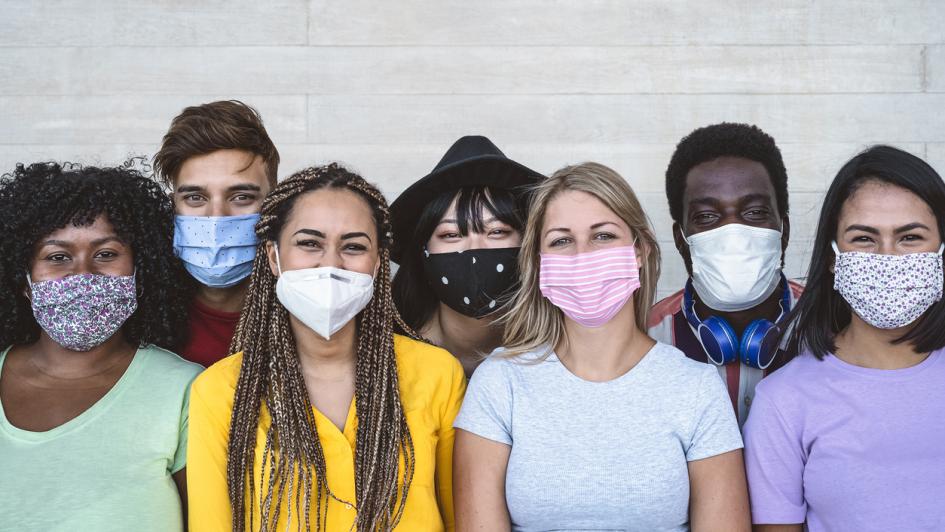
point(769, 309)
point(62, 363)
point(603, 353)
point(468, 339)
point(326, 359)
point(866, 346)
point(223, 299)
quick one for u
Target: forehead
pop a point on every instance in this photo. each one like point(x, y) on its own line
point(222, 168)
point(880, 204)
point(575, 209)
point(100, 228)
point(727, 180)
point(329, 210)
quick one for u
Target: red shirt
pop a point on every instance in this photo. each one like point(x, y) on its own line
point(210, 334)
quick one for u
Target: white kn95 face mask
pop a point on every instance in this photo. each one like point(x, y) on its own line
point(325, 299)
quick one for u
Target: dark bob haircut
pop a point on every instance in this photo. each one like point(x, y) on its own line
point(724, 140)
point(822, 312)
point(41, 198)
point(414, 298)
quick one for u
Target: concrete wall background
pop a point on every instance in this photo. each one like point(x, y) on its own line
point(387, 86)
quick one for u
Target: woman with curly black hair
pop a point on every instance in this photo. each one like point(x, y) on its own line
point(93, 412)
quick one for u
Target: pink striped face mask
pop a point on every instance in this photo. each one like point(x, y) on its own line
point(590, 288)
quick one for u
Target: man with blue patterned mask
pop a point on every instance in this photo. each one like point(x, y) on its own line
point(219, 163)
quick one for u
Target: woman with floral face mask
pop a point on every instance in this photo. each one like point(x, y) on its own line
point(583, 422)
point(848, 435)
point(325, 419)
point(93, 412)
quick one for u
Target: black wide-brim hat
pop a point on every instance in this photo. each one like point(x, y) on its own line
point(470, 161)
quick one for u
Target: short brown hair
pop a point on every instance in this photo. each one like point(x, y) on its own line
point(202, 129)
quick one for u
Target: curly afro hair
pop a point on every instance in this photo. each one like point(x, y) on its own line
point(724, 140)
point(41, 198)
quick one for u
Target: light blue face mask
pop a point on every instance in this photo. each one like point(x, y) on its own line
point(218, 251)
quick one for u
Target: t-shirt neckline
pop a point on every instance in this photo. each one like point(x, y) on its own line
point(902, 373)
point(635, 370)
point(213, 313)
point(85, 417)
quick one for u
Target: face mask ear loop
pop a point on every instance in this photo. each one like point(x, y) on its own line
point(278, 262)
point(836, 250)
point(941, 249)
point(29, 284)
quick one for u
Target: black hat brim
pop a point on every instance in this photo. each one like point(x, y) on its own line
point(493, 171)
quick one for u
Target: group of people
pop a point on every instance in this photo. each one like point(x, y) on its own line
point(209, 348)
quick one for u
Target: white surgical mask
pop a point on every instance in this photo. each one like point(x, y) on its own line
point(735, 267)
point(324, 299)
point(888, 291)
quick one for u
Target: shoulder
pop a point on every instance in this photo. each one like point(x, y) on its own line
point(797, 288)
point(416, 356)
point(163, 365)
point(426, 372)
point(803, 371)
point(674, 364)
point(219, 380)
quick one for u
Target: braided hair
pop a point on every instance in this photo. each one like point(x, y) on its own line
point(293, 466)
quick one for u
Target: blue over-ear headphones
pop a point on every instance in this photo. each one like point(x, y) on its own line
point(758, 345)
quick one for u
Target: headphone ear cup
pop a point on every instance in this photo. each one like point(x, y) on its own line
point(759, 344)
point(719, 340)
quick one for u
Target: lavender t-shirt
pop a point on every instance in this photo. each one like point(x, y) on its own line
point(849, 448)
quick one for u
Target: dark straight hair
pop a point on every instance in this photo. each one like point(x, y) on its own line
point(414, 297)
point(821, 312)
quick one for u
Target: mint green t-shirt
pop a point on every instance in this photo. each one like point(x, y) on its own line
point(110, 468)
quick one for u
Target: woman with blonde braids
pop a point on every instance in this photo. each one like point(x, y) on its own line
point(324, 419)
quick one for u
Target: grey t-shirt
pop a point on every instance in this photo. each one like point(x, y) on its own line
point(600, 455)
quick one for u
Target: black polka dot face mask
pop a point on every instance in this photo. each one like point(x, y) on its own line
point(475, 282)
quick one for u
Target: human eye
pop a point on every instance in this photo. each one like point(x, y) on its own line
point(243, 198)
point(194, 198)
point(57, 257)
point(705, 218)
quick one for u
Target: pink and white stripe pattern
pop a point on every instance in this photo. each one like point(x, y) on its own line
point(590, 288)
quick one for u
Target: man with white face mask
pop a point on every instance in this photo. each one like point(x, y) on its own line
point(727, 190)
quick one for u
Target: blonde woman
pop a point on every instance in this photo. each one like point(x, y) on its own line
point(582, 421)
point(325, 419)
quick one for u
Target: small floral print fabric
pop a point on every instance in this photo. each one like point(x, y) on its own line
point(81, 311)
point(888, 291)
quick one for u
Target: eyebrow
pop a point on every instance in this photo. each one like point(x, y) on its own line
point(319, 234)
point(235, 188)
point(455, 221)
point(312, 232)
point(96, 242)
point(244, 187)
point(356, 234)
point(567, 230)
point(864, 228)
point(910, 227)
point(747, 198)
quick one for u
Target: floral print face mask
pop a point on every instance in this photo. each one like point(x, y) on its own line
point(81, 311)
point(888, 291)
